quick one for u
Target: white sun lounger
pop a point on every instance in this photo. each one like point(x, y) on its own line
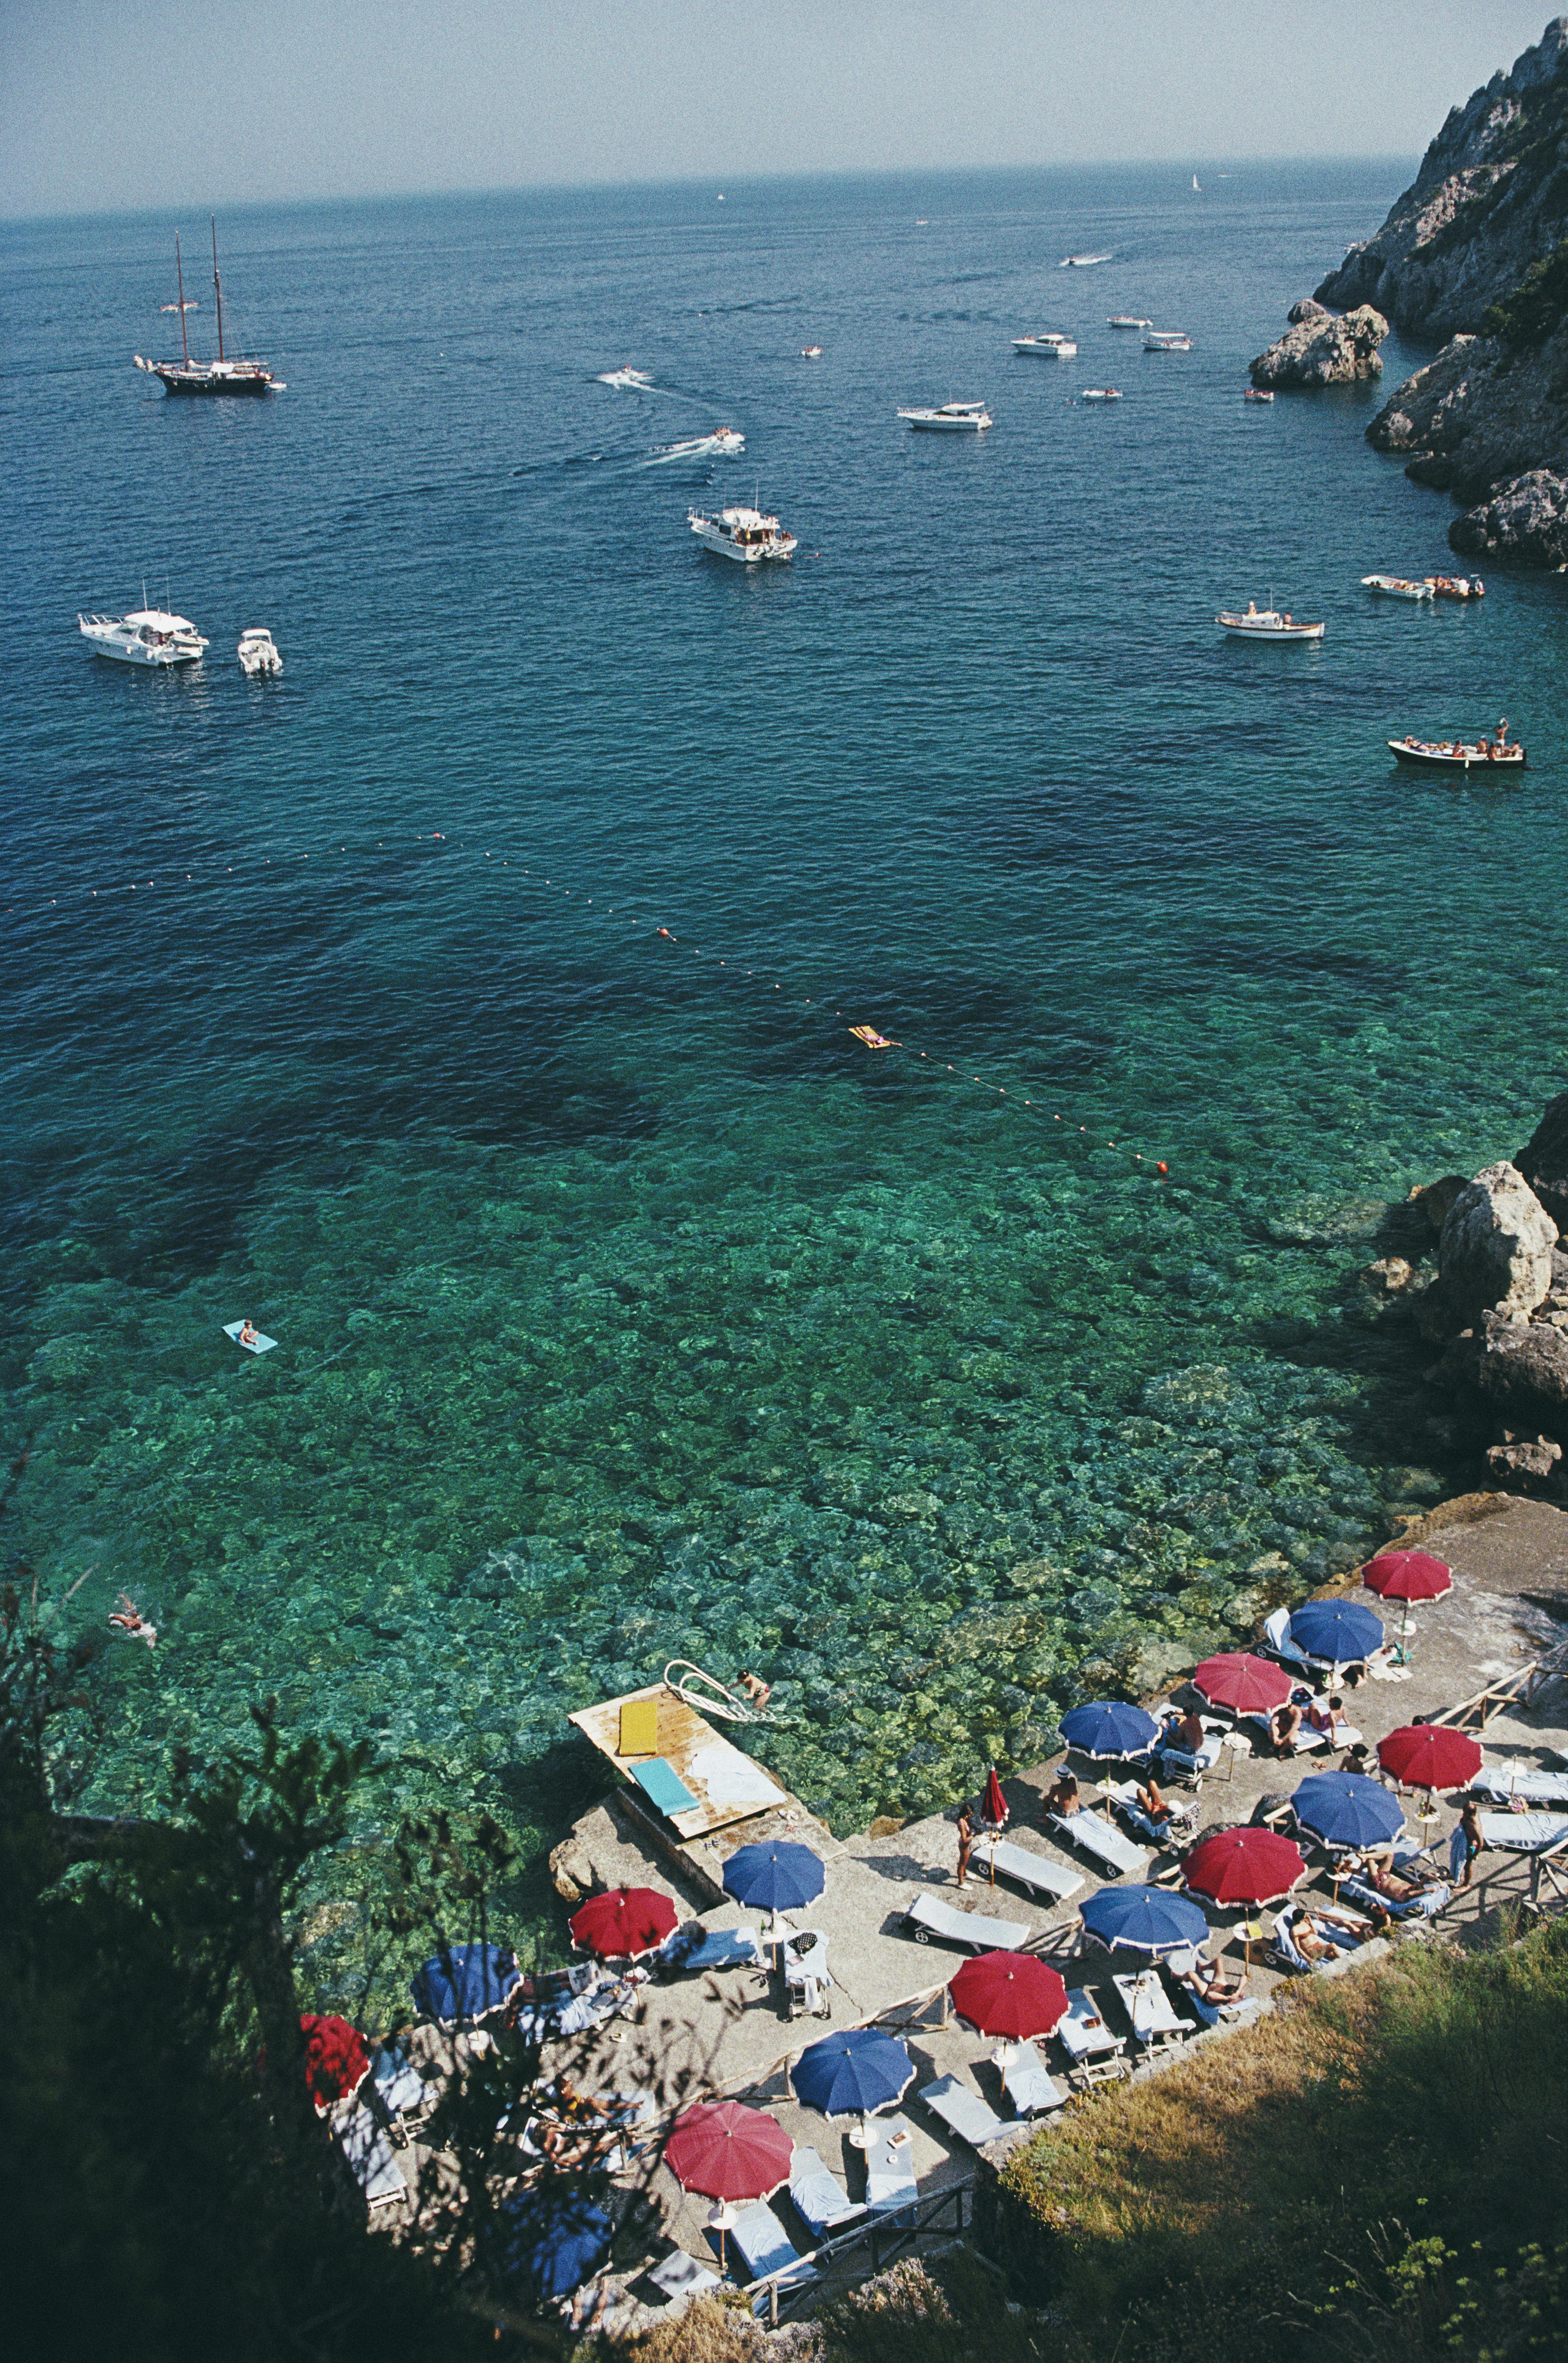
point(1028, 2084)
point(1507, 1781)
point(1524, 1833)
point(372, 2160)
point(1088, 2043)
point(821, 2199)
point(1034, 1872)
point(1156, 2022)
point(766, 2249)
point(1097, 1836)
point(681, 2279)
point(962, 2112)
point(890, 2167)
point(933, 1917)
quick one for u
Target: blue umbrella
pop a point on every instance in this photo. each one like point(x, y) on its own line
point(1347, 1809)
point(1108, 1728)
point(465, 1981)
point(774, 1878)
point(1145, 1919)
point(1340, 1630)
point(544, 2243)
point(857, 2071)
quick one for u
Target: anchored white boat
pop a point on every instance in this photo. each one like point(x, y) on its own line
point(1100, 394)
point(1082, 262)
point(1266, 624)
point(259, 652)
point(1049, 347)
point(148, 636)
point(952, 419)
point(1167, 341)
point(1127, 320)
point(811, 352)
point(1396, 586)
point(744, 534)
point(1459, 754)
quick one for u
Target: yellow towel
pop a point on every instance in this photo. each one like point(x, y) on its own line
point(639, 1727)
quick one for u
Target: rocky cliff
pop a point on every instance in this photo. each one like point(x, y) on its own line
point(1476, 251)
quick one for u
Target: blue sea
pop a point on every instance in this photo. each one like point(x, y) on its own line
point(470, 1008)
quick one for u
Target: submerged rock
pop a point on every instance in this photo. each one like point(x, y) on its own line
point(1324, 349)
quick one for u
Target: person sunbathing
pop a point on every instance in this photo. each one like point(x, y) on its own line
point(1284, 1726)
point(1207, 1981)
point(1384, 1879)
point(1188, 1733)
point(1313, 1943)
point(1151, 1804)
point(1062, 1797)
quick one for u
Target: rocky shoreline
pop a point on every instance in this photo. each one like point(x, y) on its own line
point(1475, 251)
point(1483, 1272)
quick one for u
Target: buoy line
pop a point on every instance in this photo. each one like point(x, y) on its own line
point(875, 1042)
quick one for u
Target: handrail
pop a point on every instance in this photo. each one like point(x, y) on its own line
point(1517, 1688)
point(732, 1709)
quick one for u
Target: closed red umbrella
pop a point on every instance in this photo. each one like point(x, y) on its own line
point(1247, 1685)
point(1244, 1865)
point(727, 2152)
point(337, 2062)
point(626, 1920)
point(1408, 1575)
point(996, 1804)
point(1430, 1755)
point(1014, 1995)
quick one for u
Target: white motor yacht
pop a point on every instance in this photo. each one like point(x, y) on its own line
point(1167, 341)
point(745, 535)
point(148, 636)
point(259, 652)
point(1266, 624)
point(1050, 348)
point(952, 419)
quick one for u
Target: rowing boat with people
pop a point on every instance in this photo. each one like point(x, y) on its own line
point(1460, 754)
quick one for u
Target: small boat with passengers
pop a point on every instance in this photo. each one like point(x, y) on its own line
point(257, 652)
point(1167, 341)
point(951, 418)
point(1049, 347)
point(1257, 393)
point(148, 636)
point(1460, 754)
point(745, 535)
point(1396, 586)
point(1127, 320)
point(1100, 394)
point(1457, 586)
point(1266, 624)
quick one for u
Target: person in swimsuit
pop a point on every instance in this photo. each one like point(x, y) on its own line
point(966, 1841)
point(1062, 1797)
point(246, 1334)
point(1468, 1841)
point(1151, 1804)
point(128, 1619)
point(1208, 1982)
point(757, 1691)
point(1283, 1725)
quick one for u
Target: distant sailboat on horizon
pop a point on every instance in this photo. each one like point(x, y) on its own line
point(1195, 184)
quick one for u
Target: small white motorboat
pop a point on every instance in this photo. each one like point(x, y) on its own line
point(951, 418)
point(1100, 394)
point(148, 636)
point(811, 352)
point(1082, 262)
point(259, 652)
point(635, 380)
point(1266, 624)
point(1459, 754)
point(726, 438)
point(1457, 586)
point(1051, 347)
point(1396, 586)
point(1167, 341)
point(1127, 320)
point(1257, 393)
point(744, 534)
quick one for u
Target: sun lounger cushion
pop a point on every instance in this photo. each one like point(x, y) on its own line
point(371, 2158)
point(1028, 2085)
point(963, 2111)
point(665, 1786)
point(399, 2082)
point(681, 2277)
point(1083, 2031)
point(1028, 1870)
point(1507, 1781)
point(1097, 1836)
point(977, 1929)
point(1524, 1833)
point(889, 2168)
point(766, 2248)
point(692, 1946)
point(1148, 2006)
point(821, 2199)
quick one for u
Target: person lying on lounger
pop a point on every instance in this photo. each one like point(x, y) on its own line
point(1207, 1981)
point(1151, 1805)
point(1312, 1942)
point(1387, 1881)
point(1062, 1796)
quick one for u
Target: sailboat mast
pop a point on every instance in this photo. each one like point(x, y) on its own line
point(184, 341)
point(217, 284)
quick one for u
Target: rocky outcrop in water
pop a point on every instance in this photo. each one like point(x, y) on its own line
point(1544, 1160)
point(1495, 1251)
point(1323, 349)
point(1477, 251)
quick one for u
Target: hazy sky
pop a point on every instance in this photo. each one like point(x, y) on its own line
point(106, 104)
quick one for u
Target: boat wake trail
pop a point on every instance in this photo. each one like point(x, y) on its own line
point(727, 441)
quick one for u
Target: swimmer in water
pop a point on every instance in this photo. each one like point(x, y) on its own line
point(128, 1619)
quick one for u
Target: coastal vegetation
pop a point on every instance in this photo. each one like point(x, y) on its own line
point(1376, 2167)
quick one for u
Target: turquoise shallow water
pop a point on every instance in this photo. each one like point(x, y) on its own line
point(628, 1307)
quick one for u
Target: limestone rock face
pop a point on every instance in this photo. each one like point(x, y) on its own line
point(1324, 349)
point(1526, 518)
point(1544, 1160)
point(1532, 1455)
point(1524, 1364)
point(1486, 205)
point(1309, 308)
point(1495, 1254)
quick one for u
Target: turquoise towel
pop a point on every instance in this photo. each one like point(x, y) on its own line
point(665, 1786)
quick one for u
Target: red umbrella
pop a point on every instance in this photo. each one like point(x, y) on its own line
point(728, 2152)
point(1430, 1755)
point(337, 2062)
point(1247, 1685)
point(996, 1804)
point(1245, 1866)
point(1014, 1995)
point(624, 1920)
point(1408, 1575)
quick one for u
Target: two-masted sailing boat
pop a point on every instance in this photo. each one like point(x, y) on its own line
point(222, 376)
